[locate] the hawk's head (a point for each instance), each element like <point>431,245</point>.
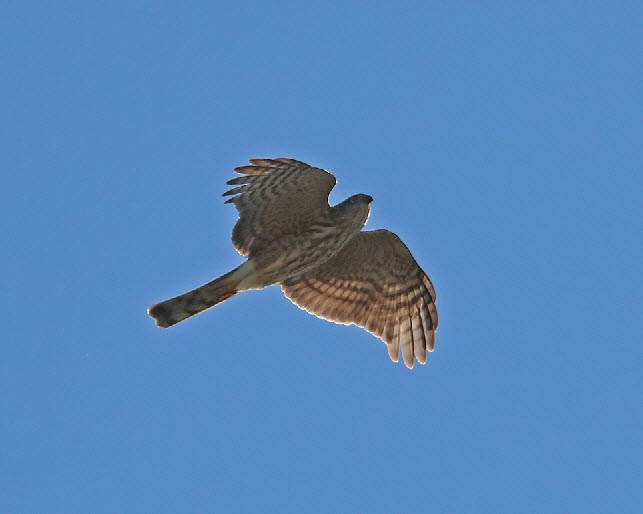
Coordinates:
<point>355,210</point>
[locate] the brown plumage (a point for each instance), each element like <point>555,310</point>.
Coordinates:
<point>322,259</point>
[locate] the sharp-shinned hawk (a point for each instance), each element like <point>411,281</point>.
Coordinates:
<point>322,259</point>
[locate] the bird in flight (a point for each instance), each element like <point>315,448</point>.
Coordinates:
<point>322,259</point>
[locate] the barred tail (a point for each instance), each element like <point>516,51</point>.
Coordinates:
<point>181,307</point>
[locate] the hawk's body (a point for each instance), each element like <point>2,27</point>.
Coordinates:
<point>323,261</point>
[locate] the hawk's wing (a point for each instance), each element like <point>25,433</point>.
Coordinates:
<point>374,283</point>
<point>275,197</point>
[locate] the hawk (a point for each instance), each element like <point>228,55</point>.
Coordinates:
<point>321,258</point>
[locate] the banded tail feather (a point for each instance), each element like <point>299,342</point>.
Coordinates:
<point>172,311</point>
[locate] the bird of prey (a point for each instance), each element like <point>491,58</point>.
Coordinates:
<point>322,259</point>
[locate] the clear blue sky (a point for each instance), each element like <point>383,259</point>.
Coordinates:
<point>503,142</point>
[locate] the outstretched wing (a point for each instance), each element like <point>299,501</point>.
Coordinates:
<point>374,283</point>
<point>276,197</point>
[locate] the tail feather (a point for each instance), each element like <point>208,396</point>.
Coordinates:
<point>176,309</point>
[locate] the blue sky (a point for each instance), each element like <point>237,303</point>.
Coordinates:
<point>501,141</point>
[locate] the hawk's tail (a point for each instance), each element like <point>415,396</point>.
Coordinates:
<point>181,307</point>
